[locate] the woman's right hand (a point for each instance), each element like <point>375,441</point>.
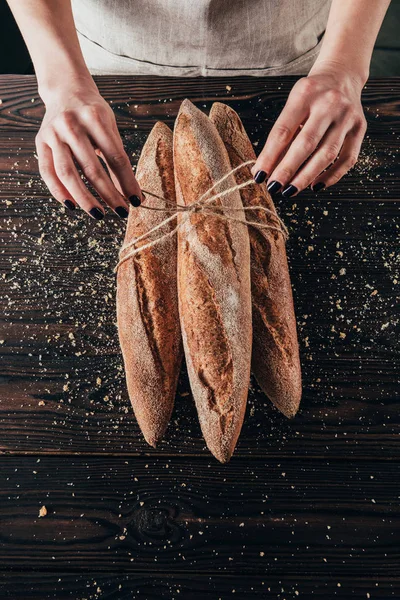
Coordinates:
<point>78,127</point>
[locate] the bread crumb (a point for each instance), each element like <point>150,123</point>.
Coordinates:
<point>43,511</point>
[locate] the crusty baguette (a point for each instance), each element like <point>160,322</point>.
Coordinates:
<point>275,361</point>
<point>147,296</point>
<point>213,284</point>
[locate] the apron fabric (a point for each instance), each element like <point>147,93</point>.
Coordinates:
<point>187,38</point>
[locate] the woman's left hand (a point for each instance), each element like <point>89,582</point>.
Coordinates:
<point>317,137</point>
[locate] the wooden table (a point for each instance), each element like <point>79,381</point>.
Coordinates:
<point>307,508</point>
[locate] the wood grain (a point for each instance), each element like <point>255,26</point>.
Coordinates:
<point>283,516</point>
<point>98,585</point>
<point>307,507</point>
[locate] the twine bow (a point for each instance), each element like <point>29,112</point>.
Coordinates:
<point>202,205</point>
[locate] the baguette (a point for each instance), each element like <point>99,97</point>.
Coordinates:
<point>213,284</point>
<point>147,296</point>
<point>275,362</point>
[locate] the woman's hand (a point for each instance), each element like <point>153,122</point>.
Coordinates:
<point>317,137</point>
<point>78,127</point>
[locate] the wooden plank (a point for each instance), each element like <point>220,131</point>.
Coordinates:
<point>139,100</point>
<point>99,585</point>
<point>174,515</point>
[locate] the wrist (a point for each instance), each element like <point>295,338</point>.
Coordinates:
<point>342,73</point>
<point>64,82</point>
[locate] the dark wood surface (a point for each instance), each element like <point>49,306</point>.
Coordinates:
<point>306,508</point>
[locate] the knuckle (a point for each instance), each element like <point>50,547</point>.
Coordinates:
<point>284,174</point>
<point>54,191</point>
<point>282,133</point>
<point>331,153</point>
<point>92,170</point>
<point>351,160</point>
<point>334,98</point>
<point>309,142</point>
<point>45,170</point>
<point>65,170</point>
<point>119,159</point>
<point>361,123</point>
<point>94,113</point>
<point>305,87</point>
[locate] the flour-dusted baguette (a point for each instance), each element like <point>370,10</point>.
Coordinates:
<point>213,284</point>
<point>275,362</point>
<point>147,296</point>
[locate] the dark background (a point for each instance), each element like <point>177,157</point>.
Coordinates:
<point>14,57</point>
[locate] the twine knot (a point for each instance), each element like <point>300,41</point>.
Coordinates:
<point>202,205</point>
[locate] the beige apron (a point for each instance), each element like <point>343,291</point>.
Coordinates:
<point>200,37</point>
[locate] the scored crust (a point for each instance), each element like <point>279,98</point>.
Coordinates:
<point>147,296</point>
<point>275,361</point>
<point>213,283</point>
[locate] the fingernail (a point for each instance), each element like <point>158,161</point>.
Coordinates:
<point>319,186</point>
<point>260,177</point>
<point>290,191</point>
<point>69,204</point>
<point>96,213</point>
<point>274,187</point>
<point>134,200</point>
<point>121,212</point>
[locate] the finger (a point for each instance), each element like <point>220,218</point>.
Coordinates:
<point>299,151</point>
<point>89,162</point>
<point>48,173</point>
<point>325,155</point>
<point>282,133</point>
<point>68,174</point>
<point>118,163</point>
<point>347,159</point>
<point>111,174</point>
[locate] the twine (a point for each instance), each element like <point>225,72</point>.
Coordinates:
<point>202,205</point>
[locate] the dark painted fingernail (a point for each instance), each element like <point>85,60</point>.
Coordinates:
<point>121,212</point>
<point>290,191</point>
<point>134,200</point>
<point>274,187</point>
<point>69,204</point>
<point>319,186</point>
<point>96,213</point>
<point>260,177</point>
